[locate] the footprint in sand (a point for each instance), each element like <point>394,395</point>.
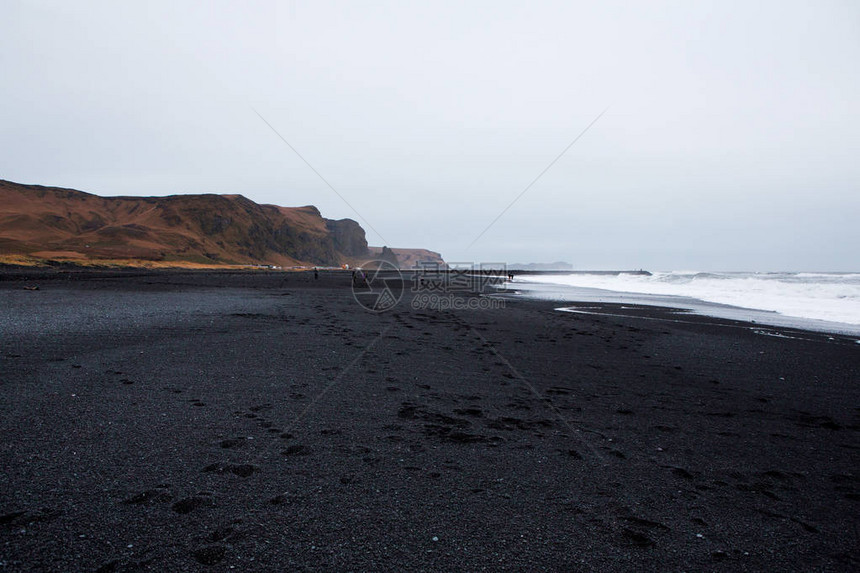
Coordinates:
<point>189,504</point>
<point>641,532</point>
<point>472,412</point>
<point>241,470</point>
<point>297,450</point>
<point>160,494</point>
<point>210,554</point>
<point>231,443</point>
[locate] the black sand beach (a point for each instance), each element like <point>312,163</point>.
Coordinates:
<point>266,422</point>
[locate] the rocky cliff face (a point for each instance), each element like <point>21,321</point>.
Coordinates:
<point>349,238</point>
<point>408,258</point>
<point>388,256</point>
<point>54,223</point>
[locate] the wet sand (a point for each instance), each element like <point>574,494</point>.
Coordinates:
<point>157,421</point>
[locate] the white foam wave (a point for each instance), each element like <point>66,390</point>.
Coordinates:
<point>832,297</point>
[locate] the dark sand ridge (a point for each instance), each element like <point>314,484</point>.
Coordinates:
<point>184,421</point>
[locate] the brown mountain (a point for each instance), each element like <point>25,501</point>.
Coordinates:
<point>63,224</point>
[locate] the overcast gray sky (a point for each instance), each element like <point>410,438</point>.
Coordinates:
<point>731,142</point>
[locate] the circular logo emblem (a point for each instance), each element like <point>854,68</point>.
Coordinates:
<point>377,285</point>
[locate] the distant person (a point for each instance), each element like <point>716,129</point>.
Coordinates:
<point>316,273</point>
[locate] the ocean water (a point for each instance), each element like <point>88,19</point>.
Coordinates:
<point>810,298</point>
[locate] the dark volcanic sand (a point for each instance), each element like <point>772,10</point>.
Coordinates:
<point>185,421</point>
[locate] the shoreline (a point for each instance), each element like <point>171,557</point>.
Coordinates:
<point>589,295</point>
<point>184,421</point>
